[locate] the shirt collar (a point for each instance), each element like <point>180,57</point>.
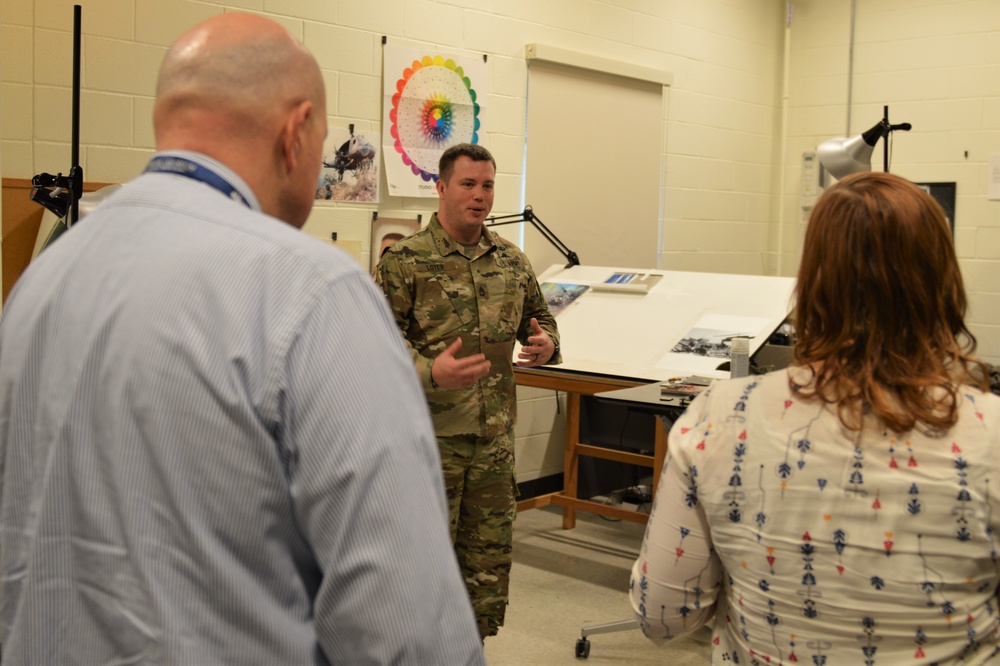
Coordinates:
<point>220,169</point>
<point>446,244</point>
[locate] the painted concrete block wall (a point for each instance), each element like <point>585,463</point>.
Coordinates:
<point>721,135</point>
<point>720,114</point>
<point>936,65</point>
<point>540,433</point>
<point>719,156</point>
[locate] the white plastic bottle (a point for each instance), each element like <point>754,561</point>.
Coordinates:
<point>739,357</point>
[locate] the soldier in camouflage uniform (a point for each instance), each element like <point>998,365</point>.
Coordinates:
<point>461,295</point>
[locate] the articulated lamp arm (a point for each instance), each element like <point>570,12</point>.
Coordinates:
<point>528,215</point>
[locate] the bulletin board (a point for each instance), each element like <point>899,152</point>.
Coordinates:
<point>653,325</point>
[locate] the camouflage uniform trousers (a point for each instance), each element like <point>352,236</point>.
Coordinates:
<point>479,479</point>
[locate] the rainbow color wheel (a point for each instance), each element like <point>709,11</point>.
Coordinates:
<point>434,107</point>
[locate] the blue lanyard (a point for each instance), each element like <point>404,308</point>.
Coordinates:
<point>185,167</point>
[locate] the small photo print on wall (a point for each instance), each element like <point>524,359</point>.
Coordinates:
<point>350,167</point>
<point>388,230</point>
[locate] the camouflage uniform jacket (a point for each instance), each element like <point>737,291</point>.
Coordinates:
<point>437,293</point>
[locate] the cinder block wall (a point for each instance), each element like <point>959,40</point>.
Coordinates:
<point>721,124</point>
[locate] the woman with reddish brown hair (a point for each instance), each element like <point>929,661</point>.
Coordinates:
<point>881,306</point>
<point>846,510</point>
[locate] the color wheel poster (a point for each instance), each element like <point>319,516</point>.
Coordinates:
<point>432,100</point>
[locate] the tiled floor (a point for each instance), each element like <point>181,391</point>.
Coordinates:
<point>563,580</point>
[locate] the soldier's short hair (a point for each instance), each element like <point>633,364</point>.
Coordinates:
<point>473,151</point>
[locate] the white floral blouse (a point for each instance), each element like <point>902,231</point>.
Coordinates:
<point>810,544</point>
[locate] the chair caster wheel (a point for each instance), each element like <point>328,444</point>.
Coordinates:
<point>582,648</point>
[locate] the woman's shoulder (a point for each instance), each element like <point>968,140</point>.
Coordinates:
<point>742,397</point>
<point>984,406</point>
<point>744,388</point>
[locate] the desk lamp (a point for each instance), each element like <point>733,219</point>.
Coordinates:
<point>528,215</point>
<point>841,157</point>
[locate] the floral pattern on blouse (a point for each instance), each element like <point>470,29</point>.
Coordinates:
<point>807,543</point>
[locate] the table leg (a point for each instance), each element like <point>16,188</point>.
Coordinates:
<point>572,461</point>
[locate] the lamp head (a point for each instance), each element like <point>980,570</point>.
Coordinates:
<point>842,157</point>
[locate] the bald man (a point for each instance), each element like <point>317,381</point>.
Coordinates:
<point>195,464</point>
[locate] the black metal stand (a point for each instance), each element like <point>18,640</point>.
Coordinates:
<point>529,216</point>
<point>885,130</point>
<point>61,194</point>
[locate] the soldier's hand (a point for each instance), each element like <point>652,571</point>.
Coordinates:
<point>449,372</point>
<point>539,349</point>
